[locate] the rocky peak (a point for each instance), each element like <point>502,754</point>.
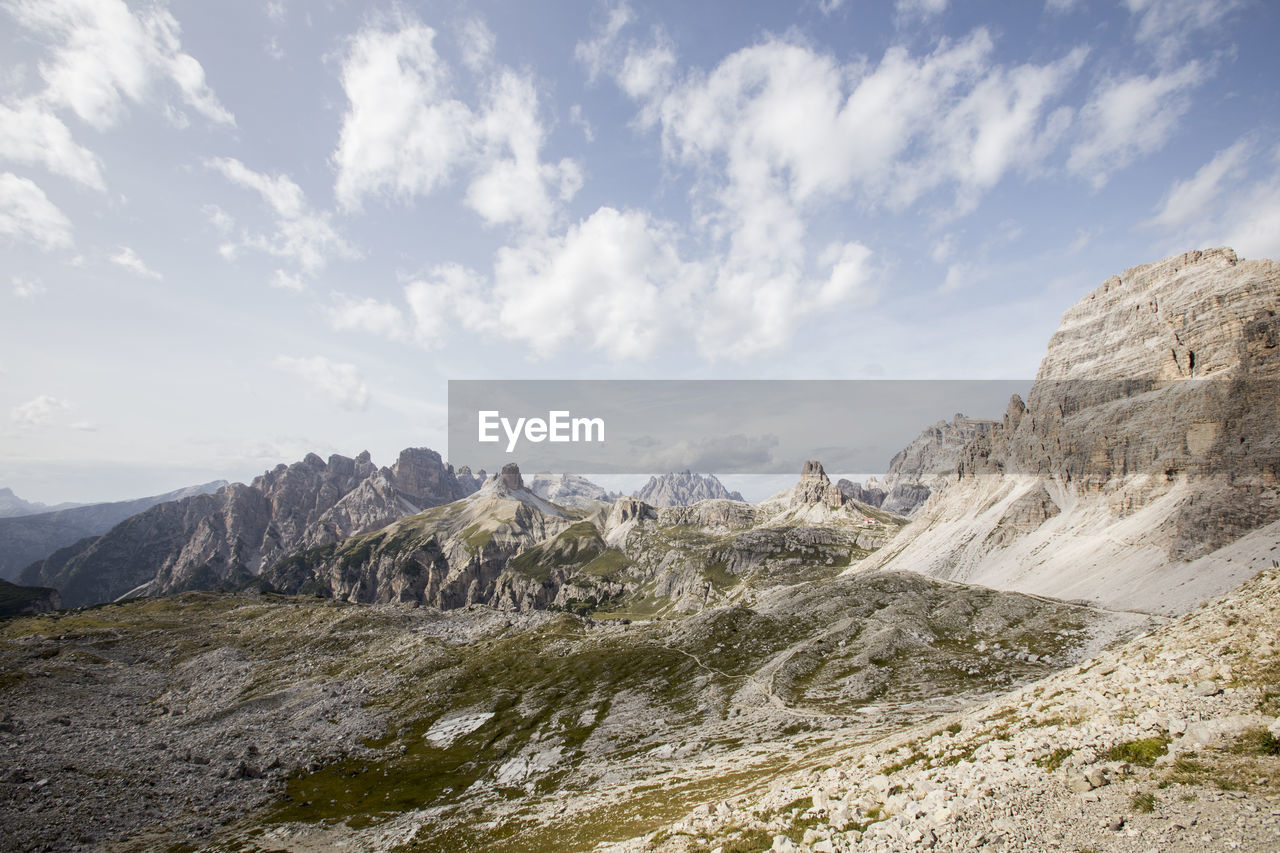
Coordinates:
<point>511,476</point>
<point>815,487</point>
<point>682,489</point>
<point>813,470</point>
<point>421,476</point>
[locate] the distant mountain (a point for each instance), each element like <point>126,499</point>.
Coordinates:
<point>12,506</point>
<point>27,538</point>
<point>871,494</point>
<point>508,548</point>
<point>229,537</point>
<point>682,489</point>
<point>921,467</point>
<point>451,556</point>
<point>570,490</point>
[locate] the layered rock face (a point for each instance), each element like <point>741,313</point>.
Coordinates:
<point>1148,442</point>
<point>683,488</point>
<point>232,535</point>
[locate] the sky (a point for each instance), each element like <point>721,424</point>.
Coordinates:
<point>234,233</point>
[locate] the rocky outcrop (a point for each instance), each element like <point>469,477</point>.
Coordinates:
<point>815,487</point>
<point>1148,444</point>
<point>32,537</point>
<point>682,489</point>
<point>229,537</point>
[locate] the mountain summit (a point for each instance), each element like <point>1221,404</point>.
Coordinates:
<point>683,489</point>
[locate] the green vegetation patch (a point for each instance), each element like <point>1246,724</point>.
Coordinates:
<point>1142,752</point>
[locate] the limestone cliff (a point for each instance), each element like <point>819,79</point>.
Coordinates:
<point>1148,443</point>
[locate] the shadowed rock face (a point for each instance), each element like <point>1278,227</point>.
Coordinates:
<point>511,476</point>
<point>230,536</point>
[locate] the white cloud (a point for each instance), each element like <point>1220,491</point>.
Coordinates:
<point>37,413</point>
<point>366,315</point>
<point>944,249</point>
<point>920,8</point>
<point>26,288</point>
<point>219,218</point>
<point>1190,199</point>
<point>612,283</point>
<point>450,292</point>
<point>1131,117</point>
<point>850,277</point>
<point>339,381</point>
<point>129,259</point>
<point>406,134</point>
<point>301,234</point>
<point>402,134</point>
<point>31,135</point>
<point>287,281</point>
<point>578,119</point>
<point>513,186</point>
<point>790,121</point>
<point>1252,224</point>
<point>1060,6</point>
<point>476,42</point>
<point>777,132</point>
<point>1233,200</point>
<point>276,11</point>
<point>26,214</point>
<point>959,276</point>
<point>103,55</point>
<point>1165,26</point>
<point>597,53</point>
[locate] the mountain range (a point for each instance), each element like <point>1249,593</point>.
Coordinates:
<point>344,656</point>
<point>25,538</point>
<point>682,489</point>
<point>229,536</point>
